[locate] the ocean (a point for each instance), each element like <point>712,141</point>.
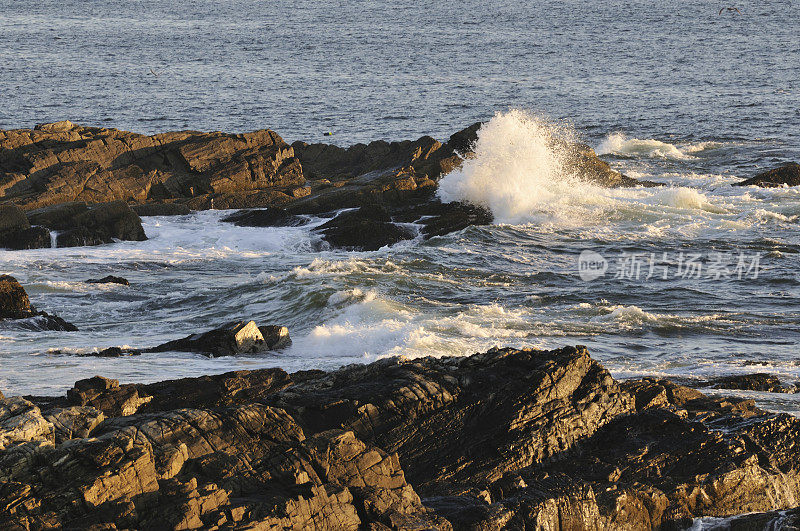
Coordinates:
<point>691,280</point>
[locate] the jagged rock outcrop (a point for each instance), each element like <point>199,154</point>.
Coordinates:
<point>519,439</point>
<point>49,166</point>
<point>15,305</point>
<point>786,175</point>
<point>231,339</point>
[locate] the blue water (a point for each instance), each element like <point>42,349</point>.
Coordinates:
<point>671,91</point>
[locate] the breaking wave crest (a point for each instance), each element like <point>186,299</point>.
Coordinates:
<point>518,170</point>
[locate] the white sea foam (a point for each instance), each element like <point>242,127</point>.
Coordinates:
<point>621,145</point>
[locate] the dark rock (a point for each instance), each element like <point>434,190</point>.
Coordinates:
<point>110,279</point>
<point>752,382</point>
<point>508,439</point>
<point>82,224</point>
<point>114,352</point>
<point>16,232</point>
<point>464,141</point>
<point>161,209</point>
<point>367,229</point>
<point>228,340</point>
<point>452,217</point>
<point>106,395</point>
<point>103,224</point>
<point>388,188</point>
<point>14,301</point>
<point>270,217</point>
<point>427,156</point>
<point>275,337</point>
<point>788,174</point>
<point>228,389</point>
<point>15,304</point>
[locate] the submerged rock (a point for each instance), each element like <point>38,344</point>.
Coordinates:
<point>507,439</point>
<point>786,175</point>
<point>109,279</point>
<point>228,340</point>
<point>753,382</point>
<point>270,217</point>
<point>15,305</point>
<point>367,229</point>
<point>161,209</point>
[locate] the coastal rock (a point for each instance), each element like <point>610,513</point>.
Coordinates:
<point>275,337</point>
<point>161,209</point>
<point>269,217</point>
<point>15,304</point>
<point>16,232</point>
<point>75,422</point>
<point>106,395</point>
<point>109,279</point>
<point>367,229</point>
<point>786,175</point>
<point>67,163</point>
<point>426,155</point>
<point>81,224</point>
<point>114,352</point>
<point>444,218</point>
<point>228,340</point>
<point>753,382</point>
<point>218,390</point>
<point>391,188</point>
<point>22,421</point>
<point>507,439</point>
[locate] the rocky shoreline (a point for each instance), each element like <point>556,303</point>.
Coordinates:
<point>504,439</point>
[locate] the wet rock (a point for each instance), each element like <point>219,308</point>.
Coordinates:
<point>114,352</point>
<point>367,229</point>
<point>15,304</point>
<point>14,301</point>
<point>228,340</point>
<point>786,175</point>
<point>161,209</point>
<point>767,383</point>
<point>275,337</point>
<point>464,141</point>
<point>16,232</point>
<point>270,217</point>
<point>452,217</point>
<point>110,279</point>
<point>80,224</point>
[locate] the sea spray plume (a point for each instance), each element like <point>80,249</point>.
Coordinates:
<point>519,170</point>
